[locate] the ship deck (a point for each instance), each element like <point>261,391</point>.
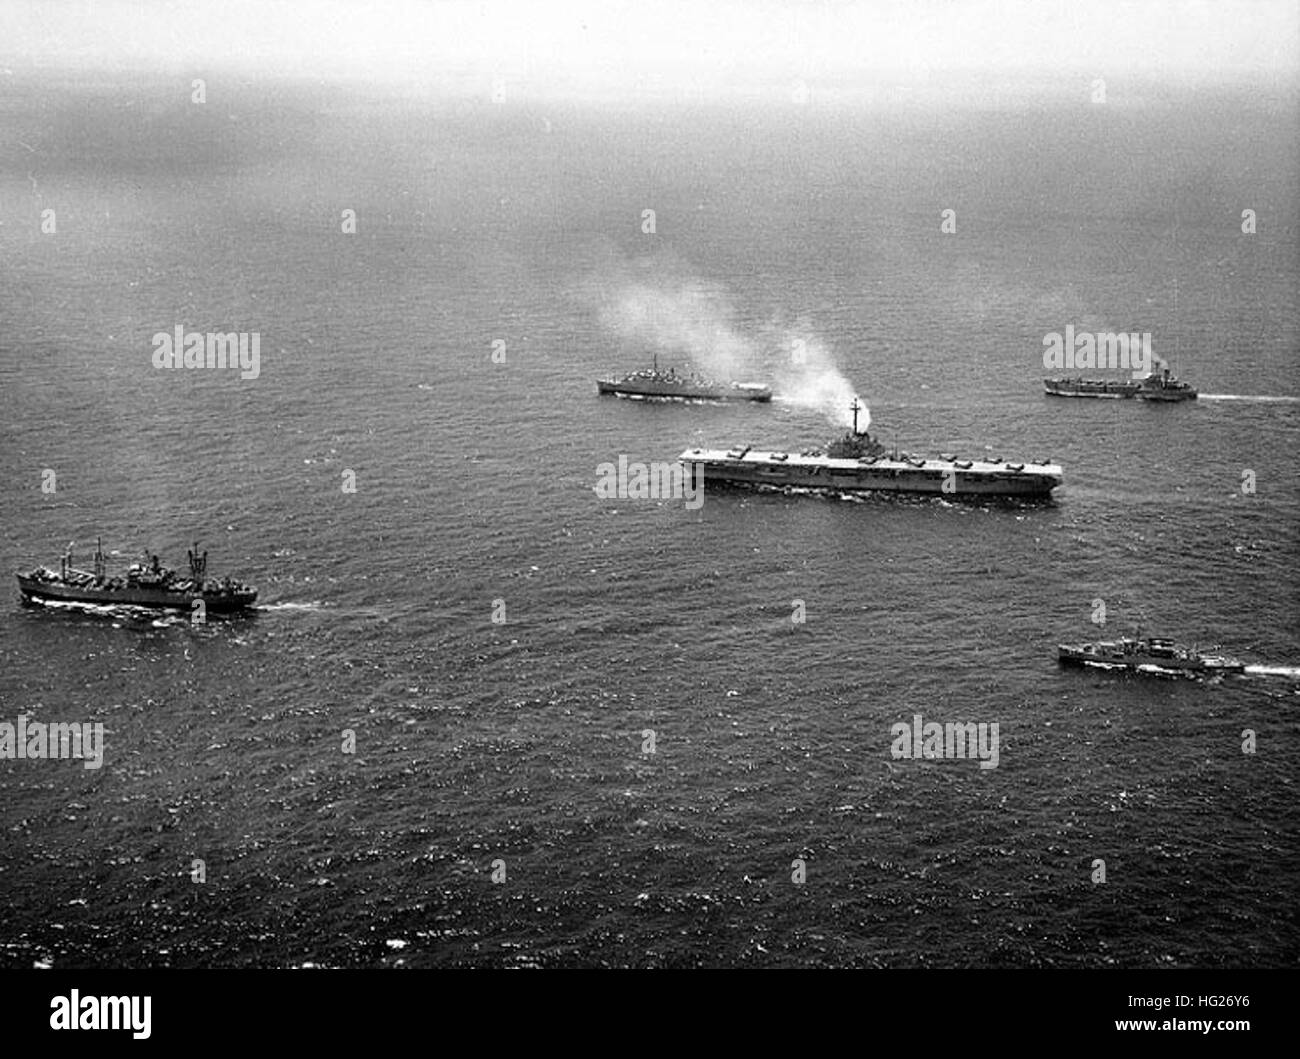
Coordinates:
<point>936,465</point>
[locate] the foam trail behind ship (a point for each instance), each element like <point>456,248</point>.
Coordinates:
<point>1292,672</point>
<point>1261,399</point>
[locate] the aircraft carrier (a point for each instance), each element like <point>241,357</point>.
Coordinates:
<point>858,462</point>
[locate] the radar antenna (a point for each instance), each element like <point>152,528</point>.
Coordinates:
<point>198,564</point>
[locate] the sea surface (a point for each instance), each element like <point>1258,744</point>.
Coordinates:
<point>500,808</point>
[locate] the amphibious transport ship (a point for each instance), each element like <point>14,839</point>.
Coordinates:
<point>857,462</point>
<point>1146,655</point>
<point>668,384</point>
<point>151,586</point>
<point>1157,386</point>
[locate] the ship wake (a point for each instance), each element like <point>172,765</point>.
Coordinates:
<point>1253,398</point>
<point>119,611</point>
<point>1289,672</point>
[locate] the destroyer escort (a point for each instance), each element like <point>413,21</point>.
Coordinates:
<point>857,462</point>
<point>151,585</point>
<point>1146,655</point>
<point>668,384</point>
<point>1156,386</point>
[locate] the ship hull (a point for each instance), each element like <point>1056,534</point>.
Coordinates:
<point>933,478</point>
<point>1073,656</point>
<point>1146,389</point>
<point>684,392</point>
<point>1091,388</point>
<point>134,596</point>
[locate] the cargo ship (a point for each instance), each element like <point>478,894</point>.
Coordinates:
<point>653,383</point>
<point>144,585</point>
<point>1146,655</point>
<point>858,462</point>
<point>1156,386</point>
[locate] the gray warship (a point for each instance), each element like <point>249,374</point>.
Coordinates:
<point>653,383</point>
<point>1150,654</point>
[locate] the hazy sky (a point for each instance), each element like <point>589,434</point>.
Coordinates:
<point>616,47</point>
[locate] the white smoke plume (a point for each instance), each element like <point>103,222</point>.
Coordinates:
<point>687,323</point>
<point>693,323</point>
<point>809,378</point>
